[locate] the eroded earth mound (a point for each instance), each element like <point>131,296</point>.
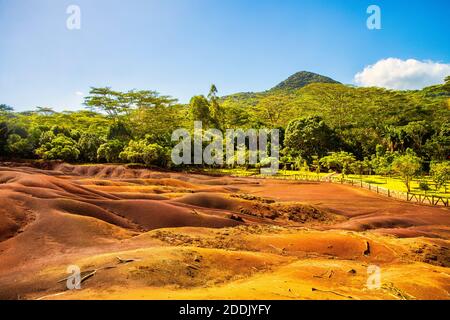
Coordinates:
<point>142,234</point>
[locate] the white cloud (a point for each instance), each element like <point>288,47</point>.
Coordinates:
<point>79,93</point>
<point>393,73</point>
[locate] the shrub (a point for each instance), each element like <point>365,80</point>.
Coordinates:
<point>440,172</point>
<point>19,147</point>
<point>424,186</point>
<point>88,145</point>
<point>110,151</point>
<point>59,148</point>
<point>142,152</point>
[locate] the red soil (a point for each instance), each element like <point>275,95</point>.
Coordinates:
<point>365,209</point>
<point>48,217</point>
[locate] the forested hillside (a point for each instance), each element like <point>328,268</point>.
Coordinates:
<point>318,117</point>
<point>362,118</point>
<point>302,79</point>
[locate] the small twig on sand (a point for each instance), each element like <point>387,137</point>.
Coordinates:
<point>281,251</point>
<point>333,292</point>
<point>193,267</point>
<point>396,292</point>
<point>89,275</point>
<point>125,260</point>
<point>51,295</point>
<point>329,272</point>
<point>84,273</point>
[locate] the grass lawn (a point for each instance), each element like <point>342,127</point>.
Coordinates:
<point>395,183</point>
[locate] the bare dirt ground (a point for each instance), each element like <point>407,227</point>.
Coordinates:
<point>140,234</point>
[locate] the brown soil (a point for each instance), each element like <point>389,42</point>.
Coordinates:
<point>189,236</point>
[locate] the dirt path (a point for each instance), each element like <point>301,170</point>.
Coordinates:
<point>364,209</point>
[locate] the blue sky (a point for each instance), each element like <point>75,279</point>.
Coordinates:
<point>180,47</point>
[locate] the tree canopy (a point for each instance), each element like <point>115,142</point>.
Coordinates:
<point>323,125</point>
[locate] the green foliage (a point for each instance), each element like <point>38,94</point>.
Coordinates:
<point>341,161</point>
<point>156,123</point>
<point>88,144</point>
<point>381,162</point>
<point>301,79</point>
<point>360,167</point>
<point>119,131</point>
<point>309,137</point>
<point>424,186</point>
<point>134,151</point>
<point>200,110</point>
<point>440,173</point>
<point>317,118</point>
<point>18,146</point>
<point>4,108</point>
<point>110,151</point>
<point>19,142</point>
<point>113,103</point>
<point>437,147</point>
<point>208,110</point>
<point>361,117</point>
<point>59,148</point>
<point>407,166</point>
<point>237,110</point>
<point>156,155</point>
<point>117,104</point>
<point>46,138</point>
<point>143,152</point>
<point>46,111</point>
<point>274,111</point>
<point>4,133</point>
<point>216,111</point>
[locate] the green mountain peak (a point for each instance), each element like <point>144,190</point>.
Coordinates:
<point>301,79</point>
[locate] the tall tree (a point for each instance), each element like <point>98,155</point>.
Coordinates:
<point>407,166</point>
<point>440,172</point>
<point>274,110</point>
<point>310,137</point>
<point>199,109</point>
<point>113,103</point>
<point>216,112</point>
<point>339,160</point>
<point>6,108</point>
<point>46,111</point>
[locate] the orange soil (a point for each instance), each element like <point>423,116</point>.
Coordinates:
<point>199,237</point>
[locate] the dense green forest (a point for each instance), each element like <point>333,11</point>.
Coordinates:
<point>324,125</point>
